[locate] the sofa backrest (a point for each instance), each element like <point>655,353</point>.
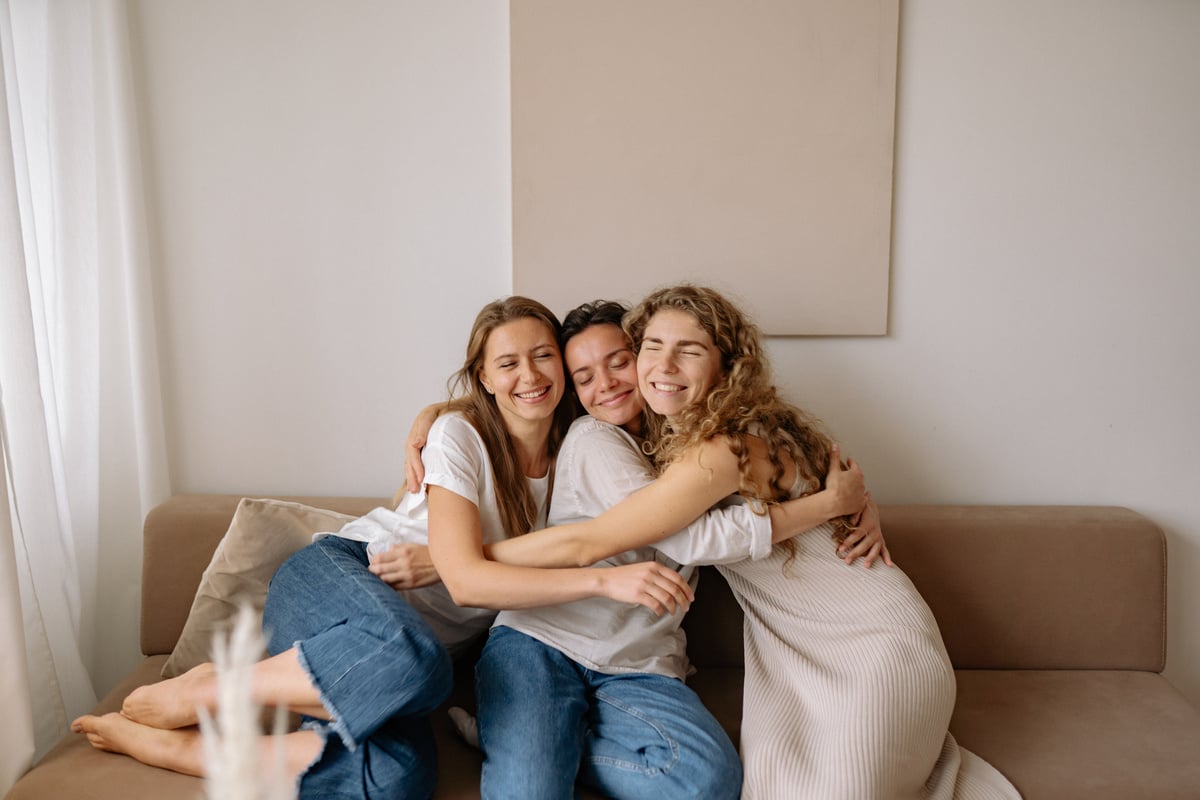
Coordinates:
<point>1012,587</point>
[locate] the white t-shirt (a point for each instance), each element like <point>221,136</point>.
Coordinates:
<point>598,466</point>
<point>455,459</point>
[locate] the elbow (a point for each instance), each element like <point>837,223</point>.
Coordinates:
<point>460,592</point>
<point>466,593</point>
<point>461,577</point>
<point>585,556</point>
<point>581,550</point>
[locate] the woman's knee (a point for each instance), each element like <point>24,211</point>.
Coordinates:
<point>709,762</point>
<point>286,610</point>
<point>424,662</point>
<point>406,665</point>
<point>656,736</point>
<point>715,774</point>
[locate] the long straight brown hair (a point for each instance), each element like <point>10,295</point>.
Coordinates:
<point>518,510</point>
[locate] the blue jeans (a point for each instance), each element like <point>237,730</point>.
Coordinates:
<point>546,721</point>
<point>378,667</point>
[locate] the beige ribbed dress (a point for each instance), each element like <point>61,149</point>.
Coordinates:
<point>848,687</point>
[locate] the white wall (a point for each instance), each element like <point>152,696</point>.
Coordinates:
<point>332,193</point>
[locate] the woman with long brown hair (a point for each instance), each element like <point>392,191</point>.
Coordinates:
<point>364,663</point>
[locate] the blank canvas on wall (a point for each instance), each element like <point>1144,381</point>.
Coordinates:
<point>742,144</point>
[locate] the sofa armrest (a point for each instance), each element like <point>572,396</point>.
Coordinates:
<point>178,540</point>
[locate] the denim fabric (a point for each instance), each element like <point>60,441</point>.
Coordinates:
<point>546,721</point>
<point>377,665</point>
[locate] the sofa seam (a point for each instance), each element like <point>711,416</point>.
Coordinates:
<point>1162,656</point>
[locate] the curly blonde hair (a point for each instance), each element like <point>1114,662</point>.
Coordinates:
<point>741,403</point>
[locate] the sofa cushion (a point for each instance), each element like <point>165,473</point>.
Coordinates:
<point>73,768</point>
<point>261,536</point>
<point>1081,734</point>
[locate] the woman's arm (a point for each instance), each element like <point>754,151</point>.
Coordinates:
<point>845,493</point>
<point>730,533</point>
<point>418,435</point>
<point>866,540</point>
<point>685,490</point>
<point>456,546</point>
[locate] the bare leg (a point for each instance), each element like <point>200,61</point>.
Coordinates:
<point>173,703</point>
<point>181,750</point>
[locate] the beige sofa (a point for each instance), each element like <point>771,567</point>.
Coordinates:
<point>1053,616</point>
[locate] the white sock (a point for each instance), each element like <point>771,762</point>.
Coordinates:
<point>465,725</point>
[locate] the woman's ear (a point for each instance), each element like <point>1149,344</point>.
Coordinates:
<point>483,381</point>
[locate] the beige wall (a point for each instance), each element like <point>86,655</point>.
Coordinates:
<point>656,142</point>
<point>332,194</point>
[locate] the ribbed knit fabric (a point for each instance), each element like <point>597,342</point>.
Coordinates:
<point>848,689</point>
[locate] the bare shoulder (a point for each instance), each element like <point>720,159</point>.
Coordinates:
<point>715,455</point>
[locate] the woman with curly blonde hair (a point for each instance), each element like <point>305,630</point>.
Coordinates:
<point>848,688</point>
<point>742,403</point>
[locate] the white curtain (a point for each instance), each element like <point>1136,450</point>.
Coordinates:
<point>81,429</point>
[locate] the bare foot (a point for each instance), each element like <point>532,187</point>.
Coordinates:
<point>178,750</point>
<point>183,750</point>
<point>172,703</point>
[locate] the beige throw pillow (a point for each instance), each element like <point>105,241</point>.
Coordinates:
<point>260,538</point>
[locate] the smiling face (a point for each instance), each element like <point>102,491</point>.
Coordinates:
<point>602,367</point>
<point>677,363</point>
<point>522,367</point>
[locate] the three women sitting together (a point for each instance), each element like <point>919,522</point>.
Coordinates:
<point>685,455</point>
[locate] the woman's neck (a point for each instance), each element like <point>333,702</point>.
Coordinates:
<point>533,456</point>
<point>635,427</point>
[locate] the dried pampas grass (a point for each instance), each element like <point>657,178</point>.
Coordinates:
<point>234,751</point>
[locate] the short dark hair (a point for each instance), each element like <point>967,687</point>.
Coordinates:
<point>597,312</point>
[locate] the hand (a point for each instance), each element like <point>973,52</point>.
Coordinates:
<point>846,485</point>
<point>418,435</point>
<point>405,566</point>
<point>866,540</point>
<point>648,583</point>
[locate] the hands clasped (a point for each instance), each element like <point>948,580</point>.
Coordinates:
<point>848,488</point>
